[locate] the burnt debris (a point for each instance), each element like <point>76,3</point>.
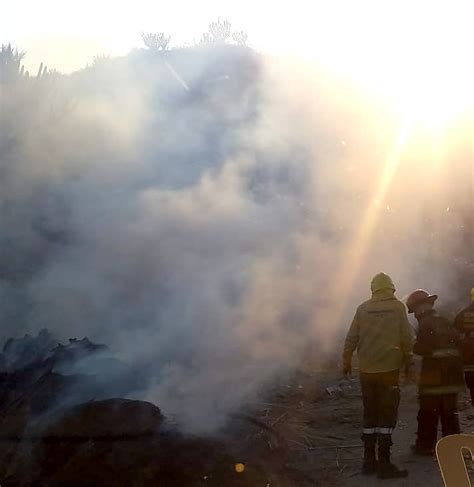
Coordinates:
<point>60,424</point>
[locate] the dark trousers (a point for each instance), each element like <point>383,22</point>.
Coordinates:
<point>469,376</point>
<point>381,398</point>
<point>432,410</point>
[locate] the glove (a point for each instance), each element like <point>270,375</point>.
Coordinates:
<point>347,369</point>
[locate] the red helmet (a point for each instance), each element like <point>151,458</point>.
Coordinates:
<point>417,297</point>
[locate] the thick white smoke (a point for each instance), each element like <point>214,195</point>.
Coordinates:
<point>196,210</point>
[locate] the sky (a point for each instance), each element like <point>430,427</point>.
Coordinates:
<point>69,32</point>
<point>385,45</point>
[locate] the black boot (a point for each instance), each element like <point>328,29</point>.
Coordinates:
<point>385,468</point>
<point>424,450</point>
<point>369,466</point>
<point>450,423</point>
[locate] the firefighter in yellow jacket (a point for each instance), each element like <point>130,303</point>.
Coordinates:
<point>383,337</point>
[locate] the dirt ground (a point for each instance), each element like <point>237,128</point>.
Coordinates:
<point>303,432</point>
<point>319,415</point>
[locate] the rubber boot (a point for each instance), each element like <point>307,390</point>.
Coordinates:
<point>385,468</point>
<point>369,466</point>
<point>423,450</point>
<point>450,423</point>
<point>427,429</point>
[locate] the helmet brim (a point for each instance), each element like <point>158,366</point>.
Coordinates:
<point>429,299</point>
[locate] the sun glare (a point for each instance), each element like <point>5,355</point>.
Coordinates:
<point>422,69</point>
<point>434,90</point>
<point>417,56</point>
<point>429,74</point>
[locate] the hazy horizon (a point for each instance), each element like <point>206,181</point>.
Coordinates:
<point>360,40</point>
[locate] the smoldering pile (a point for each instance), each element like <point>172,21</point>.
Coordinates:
<point>40,375</point>
<point>61,424</point>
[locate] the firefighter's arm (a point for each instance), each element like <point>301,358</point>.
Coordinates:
<point>352,340</point>
<point>459,329</point>
<point>406,344</point>
<point>406,338</point>
<point>458,321</point>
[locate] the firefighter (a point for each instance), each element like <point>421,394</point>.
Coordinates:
<point>382,335</point>
<point>441,377</point>
<point>464,324</point>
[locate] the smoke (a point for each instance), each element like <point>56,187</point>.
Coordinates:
<point>200,211</point>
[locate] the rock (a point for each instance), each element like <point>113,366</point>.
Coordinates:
<point>334,391</point>
<point>108,419</point>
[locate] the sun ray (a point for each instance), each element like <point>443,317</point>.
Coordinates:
<point>352,263</point>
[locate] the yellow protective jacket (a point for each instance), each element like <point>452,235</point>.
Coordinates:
<point>381,333</point>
